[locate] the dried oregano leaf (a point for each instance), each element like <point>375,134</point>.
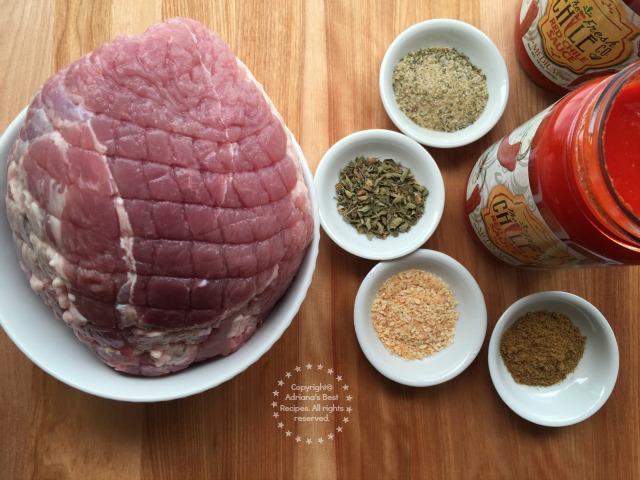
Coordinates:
<point>379,197</point>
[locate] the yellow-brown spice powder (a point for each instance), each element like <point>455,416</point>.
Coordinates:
<point>541,348</point>
<point>414,314</point>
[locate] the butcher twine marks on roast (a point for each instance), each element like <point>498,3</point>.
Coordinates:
<point>156,199</point>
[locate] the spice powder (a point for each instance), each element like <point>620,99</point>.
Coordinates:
<point>440,89</point>
<point>542,348</point>
<point>414,314</point>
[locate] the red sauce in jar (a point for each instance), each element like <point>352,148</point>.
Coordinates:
<point>551,179</point>
<point>563,189</point>
<point>621,152</point>
<point>575,194</point>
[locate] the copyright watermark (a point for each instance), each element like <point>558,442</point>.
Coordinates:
<point>312,404</point>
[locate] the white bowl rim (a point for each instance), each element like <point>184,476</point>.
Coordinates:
<point>187,382</point>
<point>509,316</point>
<point>446,139</point>
<point>435,202</point>
<point>362,321</point>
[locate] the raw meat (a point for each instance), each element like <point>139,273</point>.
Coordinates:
<point>156,200</point>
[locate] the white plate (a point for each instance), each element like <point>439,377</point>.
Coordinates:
<point>379,144</point>
<point>482,53</point>
<point>470,328</point>
<point>51,345</point>
<point>585,390</point>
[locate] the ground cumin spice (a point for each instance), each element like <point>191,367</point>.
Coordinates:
<point>541,348</point>
<point>414,314</point>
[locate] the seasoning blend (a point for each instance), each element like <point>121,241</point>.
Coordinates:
<point>562,44</point>
<point>562,189</point>
<point>438,88</point>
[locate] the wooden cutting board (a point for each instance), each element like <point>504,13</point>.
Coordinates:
<point>318,60</point>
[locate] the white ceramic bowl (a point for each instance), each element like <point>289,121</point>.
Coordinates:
<point>470,328</point>
<point>585,390</point>
<point>482,53</point>
<point>382,144</point>
<point>52,346</point>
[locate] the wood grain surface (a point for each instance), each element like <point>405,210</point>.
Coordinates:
<point>318,60</point>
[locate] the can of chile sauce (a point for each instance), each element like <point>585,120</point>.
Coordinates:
<point>562,44</point>
<point>563,189</point>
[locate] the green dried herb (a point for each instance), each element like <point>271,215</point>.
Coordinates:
<point>379,197</point>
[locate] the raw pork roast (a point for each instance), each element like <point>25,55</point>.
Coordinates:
<point>156,200</point>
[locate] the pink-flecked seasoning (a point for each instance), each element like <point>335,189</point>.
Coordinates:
<point>414,314</point>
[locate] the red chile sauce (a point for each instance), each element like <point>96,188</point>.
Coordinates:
<point>622,146</point>
<point>563,189</point>
<point>566,194</point>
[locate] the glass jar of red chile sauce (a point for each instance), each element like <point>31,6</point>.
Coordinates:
<point>562,44</point>
<point>563,189</point>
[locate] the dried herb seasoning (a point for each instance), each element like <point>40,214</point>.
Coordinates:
<point>379,197</point>
<point>440,89</point>
<point>541,348</point>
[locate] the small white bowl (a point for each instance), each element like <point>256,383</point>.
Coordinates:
<point>51,345</point>
<point>380,144</point>
<point>470,328</point>
<point>585,390</point>
<point>482,53</point>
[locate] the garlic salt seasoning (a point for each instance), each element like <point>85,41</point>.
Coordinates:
<point>440,89</point>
